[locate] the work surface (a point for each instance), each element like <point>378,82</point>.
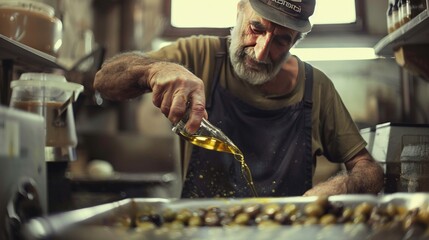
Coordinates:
<point>393,216</point>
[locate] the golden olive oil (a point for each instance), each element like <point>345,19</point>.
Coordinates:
<point>215,144</point>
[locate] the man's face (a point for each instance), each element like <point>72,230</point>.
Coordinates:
<point>259,47</point>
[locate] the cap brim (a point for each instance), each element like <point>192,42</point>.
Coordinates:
<point>280,18</point>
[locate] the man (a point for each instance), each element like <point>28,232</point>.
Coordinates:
<point>280,111</point>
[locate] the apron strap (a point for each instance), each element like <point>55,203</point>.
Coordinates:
<point>308,105</point>
<point>220,57</point>
<point>308,94</point>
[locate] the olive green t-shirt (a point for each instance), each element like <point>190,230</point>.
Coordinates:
<point>334,134</point>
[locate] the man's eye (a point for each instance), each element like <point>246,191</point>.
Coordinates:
<point>257,30</point>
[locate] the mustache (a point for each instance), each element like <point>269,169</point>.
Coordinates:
<point>249,52</point>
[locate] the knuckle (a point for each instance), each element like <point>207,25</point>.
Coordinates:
<point>198,108</point>
<point>156,100</point>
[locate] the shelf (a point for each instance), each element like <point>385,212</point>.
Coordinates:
<point>15,53</point>
<point>25,55</point>
<point>414,58</point>
<point>415,32</point>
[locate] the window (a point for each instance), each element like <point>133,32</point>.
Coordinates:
<point>334,12</point>
<point>186,17</point>
<point>203,13</point>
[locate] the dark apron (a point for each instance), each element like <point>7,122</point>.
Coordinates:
<point>276,145</point>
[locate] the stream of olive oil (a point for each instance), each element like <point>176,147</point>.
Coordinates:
<point>215,144</point>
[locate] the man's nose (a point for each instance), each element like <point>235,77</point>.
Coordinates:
<point>262,47</point>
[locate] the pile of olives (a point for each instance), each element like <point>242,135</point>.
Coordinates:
<point>321,211</point>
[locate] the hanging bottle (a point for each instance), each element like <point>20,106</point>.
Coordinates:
<point>416,7</point>
<point>389,17</point>
<point>395,15</point>
<point>405,11</point>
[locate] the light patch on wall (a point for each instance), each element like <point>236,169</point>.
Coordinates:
<point>334,54</point>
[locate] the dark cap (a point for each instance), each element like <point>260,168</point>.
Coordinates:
<point>292,14</point>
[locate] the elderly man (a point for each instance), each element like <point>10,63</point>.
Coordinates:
<point>279,111</point>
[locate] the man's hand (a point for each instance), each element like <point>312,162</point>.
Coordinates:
<point>363,175</point>
<point>174,90</point>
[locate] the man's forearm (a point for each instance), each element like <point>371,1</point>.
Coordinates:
<point>124,76</point>
<point>364,176</point>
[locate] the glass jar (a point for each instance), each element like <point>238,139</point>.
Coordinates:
<point>50,96</point>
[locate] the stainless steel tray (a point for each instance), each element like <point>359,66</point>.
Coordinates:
<point>96,222</point>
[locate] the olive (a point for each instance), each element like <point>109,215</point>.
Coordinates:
<point>290,208</point>
<point>294,217</point>
<point>168,215</point>
<point>328,219</point>
<point>242,219</point>
<point>283,218</point>
<point>176,224</point>
<point>391,210</point>
<point>214,209</point>
<point>268,223</point>
<point>346,215</point>
<point>364,209</point>
<point>411,218</point>
<point>323,201</point>
<point>313,210</point>
<point>212,219</point>
<point>146,225</point>
<point>271,209</point>
<point>380,216</point>
<point>359,219</point>
<point>311,220</point>
<point>234,210</point>
<point>402,211</point>
<point>227,221</point>
<point>261,217</point>
<point>195,221</point>
<point>183,215</point>
<point>201,212</point>
<point>150,217</point>
<point>253,209</point>
<point>298,219</point>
